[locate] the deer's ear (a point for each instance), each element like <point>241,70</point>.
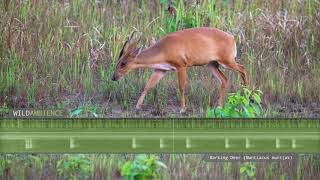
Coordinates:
<point>132,41</point>
<point>127,45</point>
<point>130,47</point>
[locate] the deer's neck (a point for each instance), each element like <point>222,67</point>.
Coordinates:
<point>149,56</point>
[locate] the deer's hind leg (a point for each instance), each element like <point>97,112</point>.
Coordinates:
<point>152,82</point>
<point>214,68</point>
<point>243,73</point>
<point>239,68</point>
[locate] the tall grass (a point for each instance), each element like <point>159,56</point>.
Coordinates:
<point>64,52</point>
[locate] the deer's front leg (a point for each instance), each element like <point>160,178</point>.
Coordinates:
<point>182,75</point>
<point>154,79</point>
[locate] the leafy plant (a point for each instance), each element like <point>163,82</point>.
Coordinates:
<point>6,163</point>
<point>248,169</point>
<point>84,111</point>
<point>243,103</point>
<point>142,167</point>
<point>74,167</point>
<point>177,16</point>
<point>4,109</point>
<point>35,161</point>
<point>171,18</point>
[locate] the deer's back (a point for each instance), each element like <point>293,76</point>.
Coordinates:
<point>197,46</point>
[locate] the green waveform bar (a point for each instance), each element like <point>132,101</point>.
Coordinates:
<point>159,135</point>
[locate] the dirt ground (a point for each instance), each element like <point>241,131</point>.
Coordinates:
<point>292,110</point>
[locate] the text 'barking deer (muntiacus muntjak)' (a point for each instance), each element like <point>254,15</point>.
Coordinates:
<point>176,52</point>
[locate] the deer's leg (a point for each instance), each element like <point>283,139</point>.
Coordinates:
<point>214,68</point>
<point>154,79</point>
<point>243,74</point>
<point>240,68</point>
<point>182,75</point>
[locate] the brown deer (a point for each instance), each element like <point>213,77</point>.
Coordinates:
<point>176,52</point>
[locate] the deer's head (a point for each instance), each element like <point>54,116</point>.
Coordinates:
<point>127,56</point>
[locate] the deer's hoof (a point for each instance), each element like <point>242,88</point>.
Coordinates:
<point>138,107</point>
<point>182,110</point>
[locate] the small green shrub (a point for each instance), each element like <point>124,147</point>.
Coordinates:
<point>4,109</point>
<point>84,111</point>
<point>142,167</point>
<point>74,167</point>
<point>247,169</point>
<point>170,16</point>
<point>244,103</point>
<point>178,17</point>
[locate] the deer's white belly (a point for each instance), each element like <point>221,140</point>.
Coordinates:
<point>165,67</point>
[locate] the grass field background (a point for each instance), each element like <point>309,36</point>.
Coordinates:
<point>63,54</point>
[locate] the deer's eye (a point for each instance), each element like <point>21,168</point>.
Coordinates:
<point>123,64</point>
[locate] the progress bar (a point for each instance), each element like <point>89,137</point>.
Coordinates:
<point>155,136</point>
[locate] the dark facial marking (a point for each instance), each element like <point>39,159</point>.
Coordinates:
<point>123,64</point>
<point>121,53</point>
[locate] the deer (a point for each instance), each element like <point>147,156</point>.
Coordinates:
<point>205,46</point>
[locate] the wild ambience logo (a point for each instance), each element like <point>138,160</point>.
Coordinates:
<point>28,113</point>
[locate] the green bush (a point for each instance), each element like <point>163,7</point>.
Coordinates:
<point>74,167</point>
<point>244,103</point>
<point>84,111</point>
<point>142,167</point>
<point>4,109</point>
<point>247,169</point>
<point>181,17</point>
